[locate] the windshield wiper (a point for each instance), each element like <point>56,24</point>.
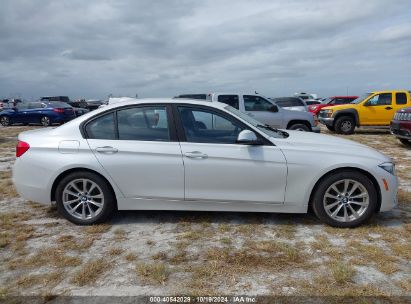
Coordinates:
<point>268,127</point>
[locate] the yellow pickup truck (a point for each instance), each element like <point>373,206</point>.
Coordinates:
<point>371,109</point>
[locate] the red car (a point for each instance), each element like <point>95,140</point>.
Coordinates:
<point>331,101</point>
<point>401,126</point>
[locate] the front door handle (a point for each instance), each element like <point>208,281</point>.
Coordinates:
<point>388,108</point>
<point>195,154</point>
<point>106,150</point>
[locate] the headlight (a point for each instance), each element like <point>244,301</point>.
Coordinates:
<point>389,167</point>
<point>328,113</point>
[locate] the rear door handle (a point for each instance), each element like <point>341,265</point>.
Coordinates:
<point>388,108</point>
<point>195,154</point>
<point>106,150</point>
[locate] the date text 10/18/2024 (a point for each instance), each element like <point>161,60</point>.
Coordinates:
<point>205,299</point>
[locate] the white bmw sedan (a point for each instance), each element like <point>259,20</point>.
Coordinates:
<point>165,154</point>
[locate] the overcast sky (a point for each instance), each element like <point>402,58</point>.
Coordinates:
<point>163,48</point>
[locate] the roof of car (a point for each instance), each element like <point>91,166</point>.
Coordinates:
<point>131,101</point>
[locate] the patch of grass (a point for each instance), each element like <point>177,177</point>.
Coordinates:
<point>226,241</point>
<point>97,229</point>
<point>404,198</point>
<point>70,242</point>
<point>115,251</point>
<point>402,250</point>
<point>48,256</point>
<point>7,189</point>
<point>90,272</point>
<point>150,242</point>
<point>47,279</point>
<point>364,254</point>
<point>130,257</point>
<point>120,234</point>
<point>194,235</point>
<point>161,255</point>
<point>342,272</point>
<point>153,273</point>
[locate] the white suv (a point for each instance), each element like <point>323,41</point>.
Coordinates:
<point>264,110</point>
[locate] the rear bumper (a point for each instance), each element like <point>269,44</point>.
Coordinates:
<point>401,129</point>
<point>328,121</point>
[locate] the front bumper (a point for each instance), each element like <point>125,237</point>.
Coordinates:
<point>401,129</point>
<point>316,129</point>
<point>388,197</point>
<point>328,121</point>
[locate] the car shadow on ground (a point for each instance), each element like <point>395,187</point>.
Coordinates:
<point>389,219</point>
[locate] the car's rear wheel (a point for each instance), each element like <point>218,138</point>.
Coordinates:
<point>85,198</point>
<point>5,121</point>
<point>345,125</point>
<point>299,127</point>
<point>345,199</point>
<point>331,128</point>
<point>45,121</point>
<point>405,142</point>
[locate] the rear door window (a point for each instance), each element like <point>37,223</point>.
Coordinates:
<point>231,100</point>
<point>256,103</point>
<point>401,98</point>
<point>143,123</point>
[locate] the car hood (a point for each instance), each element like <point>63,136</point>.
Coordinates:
<point>323,143</point>
<point>340,107</point>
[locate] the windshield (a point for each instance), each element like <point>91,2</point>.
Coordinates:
<point>257,124</point>
<point>361,98</point>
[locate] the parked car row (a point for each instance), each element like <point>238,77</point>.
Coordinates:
<point>375,109</point>
<point>47,111</point>
<point>263,109</point>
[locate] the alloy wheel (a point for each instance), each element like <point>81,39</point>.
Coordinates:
<point>5,121</point>
<point>45,121</point>
<point>346,200</point>
<point>83,199</point>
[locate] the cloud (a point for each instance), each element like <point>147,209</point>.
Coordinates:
<point>162,48</point>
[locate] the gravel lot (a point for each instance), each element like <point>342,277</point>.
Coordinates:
<point>203,253</point>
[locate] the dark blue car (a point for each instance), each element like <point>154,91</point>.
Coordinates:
<point>45,113</point>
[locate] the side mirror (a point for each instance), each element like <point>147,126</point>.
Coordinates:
<point>274,109</point>
<point>247,137</point>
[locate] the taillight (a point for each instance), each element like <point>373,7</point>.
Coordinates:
<point>21,148</point>
<point>58,110</point>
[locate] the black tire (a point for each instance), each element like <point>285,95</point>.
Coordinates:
<point>45,121</point>
<point>323,186</point>
<point>299,127</point>
<point>5,121</point>
<point>331,128</point>
<point>345,125</point>
<point>109,204</point>
<point>405,142</point>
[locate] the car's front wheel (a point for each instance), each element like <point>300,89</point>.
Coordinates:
<point>345,199</point>
<point>45,121</point>
<point>345,125</point>
<point>405,142</point>
<point>5,121</point>
<point>85,198</point>
<point>299,127</point>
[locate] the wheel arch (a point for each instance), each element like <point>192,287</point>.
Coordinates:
<point>348,112</point>
<point>298,121</point>
<point>69,171</point>
<point>341,169</point>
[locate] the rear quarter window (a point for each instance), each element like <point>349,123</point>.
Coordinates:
<point>101,127</point>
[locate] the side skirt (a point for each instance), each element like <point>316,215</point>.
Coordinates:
<point>163,204</point>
